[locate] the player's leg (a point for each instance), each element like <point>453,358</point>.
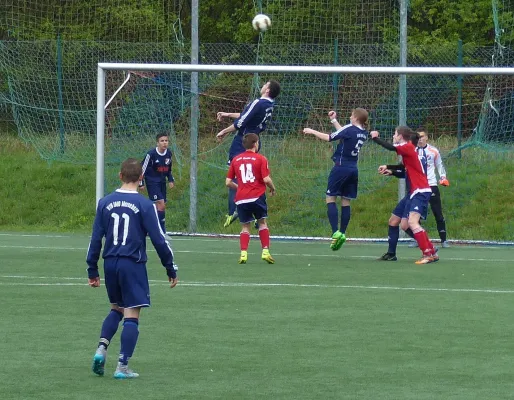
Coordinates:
<point>418,209</point>
<point>155,193</point>
<point>232,209</point>
<point>393,234</point>
<point>135,292</point>
<point>437,210</point>
<point>349,187</point>
<point>246,218</point>
<point>112,320</point>
<point>129,336</point>
<point>260,212</point>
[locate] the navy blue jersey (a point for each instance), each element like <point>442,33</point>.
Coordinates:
<point>125,218</point>
<point>157,167</point>
<point>253,119</point>
<point>351,138</point>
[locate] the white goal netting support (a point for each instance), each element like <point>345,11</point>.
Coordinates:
<point>131,97</point>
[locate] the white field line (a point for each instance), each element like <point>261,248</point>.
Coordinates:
<point>249,284</point>
<point>229,253</point>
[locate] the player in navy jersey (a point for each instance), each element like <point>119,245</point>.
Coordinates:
<point>344,176</point>
<point>253,119</point>
<point>124,218</point>
<point>253,176</point>
<point>405,142</point>
<point>156,169</point>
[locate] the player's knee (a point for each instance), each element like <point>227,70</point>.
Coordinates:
<point>116,307</point>
<point>404,225</point>
<point>262,224</point>
<point>161,206</point>
<point>394,220</point>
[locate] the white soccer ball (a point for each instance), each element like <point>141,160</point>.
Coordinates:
<point>261,22</point>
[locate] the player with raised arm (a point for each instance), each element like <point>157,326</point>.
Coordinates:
<point>405,141</point>
<point>156,169</point>
<point>434,162</point>
<point>251,171</point>
<point>344,176</point>
<point>253,119</point>
<point>124,218</point>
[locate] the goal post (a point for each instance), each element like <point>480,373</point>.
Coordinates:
<point>285,71</point>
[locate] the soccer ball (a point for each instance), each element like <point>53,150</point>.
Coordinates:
<point>261,22</point>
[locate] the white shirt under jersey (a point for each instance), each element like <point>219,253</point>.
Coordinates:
<point>434,160</point>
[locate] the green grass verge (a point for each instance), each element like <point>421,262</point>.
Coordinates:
<point>60,196</point>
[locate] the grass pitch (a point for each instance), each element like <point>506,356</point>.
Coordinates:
<point>316,325</point>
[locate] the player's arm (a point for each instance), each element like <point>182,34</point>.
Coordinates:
<point>171,180</point>
<point>230,184</point>
<point>386,145</point>
<point>229,180</point>
<point>94,249</point>
<point>221,134</point>
<point>152,226</point>
<point>248,114</point>
<point>333,120</point>
<point>220,115</point>
<point>440,169</point>
<point>319,135</point>
<point>144,165</point>
<point>269,183</point>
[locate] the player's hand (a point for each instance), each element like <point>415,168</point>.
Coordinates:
<point>374,134</point>
<point>384,171</point>
<point>220,115</point>
<point>220,136</point>
<point>94,282</point>
<point>171,185</point>
<point>272,192</point>
<point>444,182</point>
<point>308,131</point>
<point>141,188</point>
<point>332,114</point>
<point>173,282</point>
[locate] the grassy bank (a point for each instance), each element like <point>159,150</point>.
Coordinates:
<point>39,196</point>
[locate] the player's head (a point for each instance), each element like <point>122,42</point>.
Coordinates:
<point>403,134</point>
<point>271,89</point>
<point>360,116</point>
<point>423,136</point>
<point>251,141</point>
<point>162,141</point>
<point>131,171</point>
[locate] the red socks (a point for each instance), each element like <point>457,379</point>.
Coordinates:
<point>244,240</point>
<point>424,243</point>
<point>264,236</point>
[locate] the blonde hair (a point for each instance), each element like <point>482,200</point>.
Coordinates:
<point>362,116</point>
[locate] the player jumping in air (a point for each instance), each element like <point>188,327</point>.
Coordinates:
<point>125,218</point>
<point>434,161</point>
<point>253,119</point>
<point>344,176</point>
<point>250,171</point>
<point>156,169</point>
<point>405,141</point>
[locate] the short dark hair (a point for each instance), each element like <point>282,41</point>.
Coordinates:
<point>249,140</point>
<point>160,135</point>
<point>274,88</point>
<point>405,132</point>
<point>131,170</point>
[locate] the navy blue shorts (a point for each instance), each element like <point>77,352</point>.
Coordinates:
<point>126,282</point>
<point>402,208</point>
<point>419,204</point>
<point>257,209</point>
<point>156,191</point>
<point>343,181</point>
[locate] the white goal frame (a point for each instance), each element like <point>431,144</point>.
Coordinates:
<point>104,67</point>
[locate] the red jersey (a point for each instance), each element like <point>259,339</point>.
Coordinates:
<point>250,169</point>
<point>416,174</point>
